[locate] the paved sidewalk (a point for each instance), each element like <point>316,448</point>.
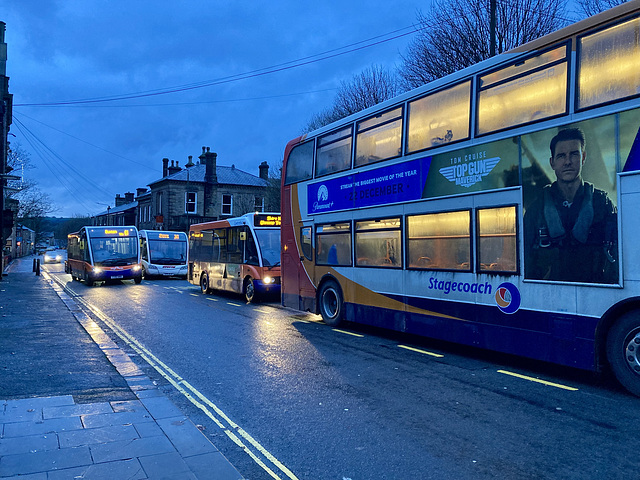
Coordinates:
<point>73,404</point>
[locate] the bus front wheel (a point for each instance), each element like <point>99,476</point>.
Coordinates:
<point>331,303</point>
<point>623,351</point>
<point>204,283</point>
<point>250,294</point>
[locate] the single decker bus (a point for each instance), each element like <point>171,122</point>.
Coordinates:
<point>240,255</point>
<point>495,207</point>
<point>101,254</point>
<point>163,253</point>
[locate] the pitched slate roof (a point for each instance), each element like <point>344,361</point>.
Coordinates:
<point>121,208</point>
<point>226,176</point>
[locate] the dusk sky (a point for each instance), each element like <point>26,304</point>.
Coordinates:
<point>213,56</point>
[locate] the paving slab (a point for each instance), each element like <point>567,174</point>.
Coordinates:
<point>75,405</point>
<point>44,461</point>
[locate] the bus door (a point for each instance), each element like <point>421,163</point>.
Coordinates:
<point>235,254</point>
<point>216,266</point>
<point>297,279</point>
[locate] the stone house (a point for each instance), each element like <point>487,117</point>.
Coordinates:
<point>123,213</point>
<point>199,192</point>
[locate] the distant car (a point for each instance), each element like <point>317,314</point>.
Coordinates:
<point>52,257</point>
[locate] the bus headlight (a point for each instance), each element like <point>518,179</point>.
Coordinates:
<point>268,280</point>
<point>97,270</point>
<point>136,268</point>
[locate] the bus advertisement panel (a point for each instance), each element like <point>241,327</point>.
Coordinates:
<point>240,255</point>
<point>101,254</point>
<point>163,254</point>
<point>509,226</point>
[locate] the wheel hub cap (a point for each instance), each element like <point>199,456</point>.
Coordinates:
<point>632,352</point>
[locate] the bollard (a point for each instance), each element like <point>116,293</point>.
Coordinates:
<point>37,267</point>
<point>34,265</point>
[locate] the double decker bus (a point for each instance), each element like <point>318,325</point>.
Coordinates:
<point>101,254</point>
<point>163,253</point>
<point>240,255</point>
<point>495,207</point>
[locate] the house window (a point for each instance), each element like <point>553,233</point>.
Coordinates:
<point>159,204</point>
<point>227,204</point>
<point>190,202</point>
<point>258,204</point>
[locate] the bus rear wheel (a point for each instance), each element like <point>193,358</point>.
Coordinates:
<point>204,283</point>
<point>623,351</point>
<point>331,303</point>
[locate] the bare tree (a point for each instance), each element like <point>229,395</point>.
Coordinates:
<point>33,205</point>
<point>593,7</point>
<point>373,85</point>
<point>456,34</point>
<point>272,195</point>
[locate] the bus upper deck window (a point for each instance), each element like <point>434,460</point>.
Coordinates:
<point>609,64</point>
<point>523,92</point>
<point>379,138</point>
<point>334,152</point>
<point>439,118</point>
<point>300,163</point>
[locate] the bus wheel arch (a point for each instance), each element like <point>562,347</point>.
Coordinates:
<point>330,302</point>
<point>623,349</point>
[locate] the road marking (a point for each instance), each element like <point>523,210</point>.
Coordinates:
<point>425,352</point>
<point>234,304</point>
<point>537,380</point>
<point>194,396</point>
<point>194,294</point>
<point>212,299</point>
<point>262,310</point>
<point>347,333</point>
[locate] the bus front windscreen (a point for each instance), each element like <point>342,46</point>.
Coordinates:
<point>269,241</point>
<point>114,251</point>
<point>163,252</point>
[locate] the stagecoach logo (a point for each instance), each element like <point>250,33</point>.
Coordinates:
<point>469,173</point>
<point>323,196</point>
<point>508,298</point>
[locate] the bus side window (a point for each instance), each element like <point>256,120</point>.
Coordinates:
<point>234,251</point>
<point>333,244</point>
<point>305,240</point>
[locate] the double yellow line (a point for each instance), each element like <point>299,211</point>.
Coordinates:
<point>239,436</point>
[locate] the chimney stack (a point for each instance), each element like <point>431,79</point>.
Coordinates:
<point>264,170</point>
<point>174,168</point>
<point>119,201</point>
<point>165,167</point>
<point>128,197</point>
<point>190,162</point>
<point>140,191</point>
<point>209,159</point>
